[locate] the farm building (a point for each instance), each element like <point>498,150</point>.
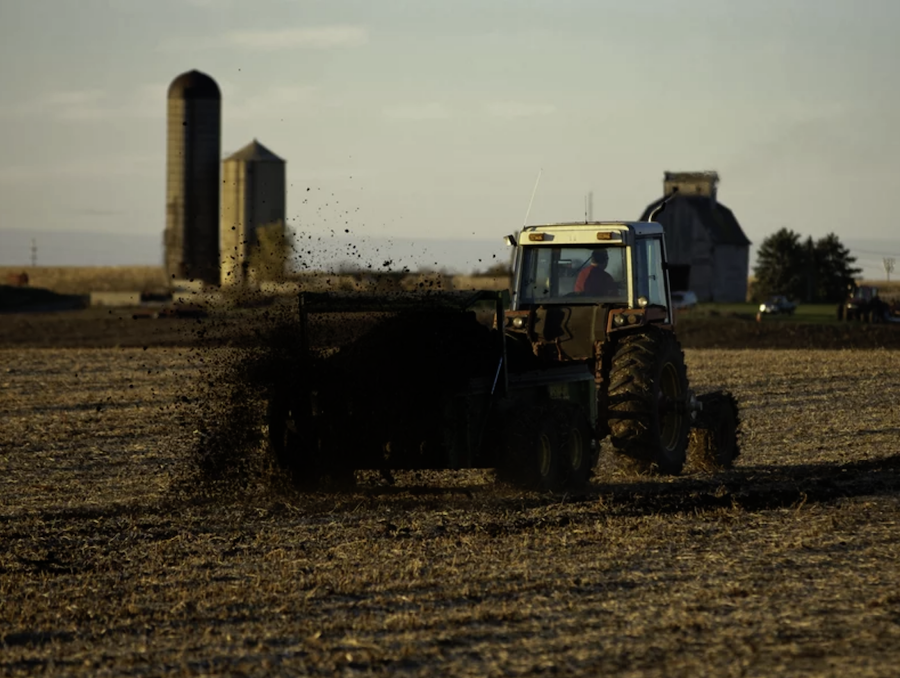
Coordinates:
<point>709,253</point>
<point>253,196</point>
<point>193,140</point>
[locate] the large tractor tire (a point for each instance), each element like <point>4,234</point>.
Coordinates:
<point>532,458</point>
<point>578,455</point>
<point>648,393</point>
<point>715,438</point>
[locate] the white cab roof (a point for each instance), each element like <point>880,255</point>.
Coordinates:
<point>581,231</point>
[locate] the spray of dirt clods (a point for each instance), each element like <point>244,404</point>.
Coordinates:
<point>240,357</point>
<point>376,370</point>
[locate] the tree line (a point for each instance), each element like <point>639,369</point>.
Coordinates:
<point>804,270</point>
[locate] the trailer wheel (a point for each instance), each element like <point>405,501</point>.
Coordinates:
<point>714,440</point>
<point>577,455</point>
<point>648,388</point>
<point>290,443</point>
<point>532,458</point>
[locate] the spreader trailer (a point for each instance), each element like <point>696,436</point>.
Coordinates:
<point>425,382</point>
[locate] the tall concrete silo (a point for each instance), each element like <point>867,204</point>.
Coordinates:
<point>253,195</point>
<point>193,141</point>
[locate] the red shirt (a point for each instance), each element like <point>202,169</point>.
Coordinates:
<point>596,282</point>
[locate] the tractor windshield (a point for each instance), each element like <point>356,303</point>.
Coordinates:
<point>596,275</point>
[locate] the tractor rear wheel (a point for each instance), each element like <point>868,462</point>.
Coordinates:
<point>577,455</point>
<point>648,394</point>
<point>714,440</point>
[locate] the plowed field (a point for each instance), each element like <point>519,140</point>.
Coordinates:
<point>787,565</point>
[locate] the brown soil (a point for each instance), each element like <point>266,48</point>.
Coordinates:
<point>101,328</point>
<point>111,565</point>
<point>736,332</point>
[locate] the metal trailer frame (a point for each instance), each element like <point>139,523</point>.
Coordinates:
<point>474,417</point>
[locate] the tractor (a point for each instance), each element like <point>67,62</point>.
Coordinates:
<point>863,304</point>
<point>598,294</point>
<point>527,381</point>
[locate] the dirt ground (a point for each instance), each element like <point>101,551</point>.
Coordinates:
<point>787,565</point>
<point>114,328</point>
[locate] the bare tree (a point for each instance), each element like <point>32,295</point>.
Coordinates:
<point>269,253</point>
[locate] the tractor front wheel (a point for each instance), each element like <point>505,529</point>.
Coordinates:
<point>648,401</point>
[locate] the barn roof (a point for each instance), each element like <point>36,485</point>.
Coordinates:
<point>254,152</point>
<point>719,221</point>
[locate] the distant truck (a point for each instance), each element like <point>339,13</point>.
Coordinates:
<point>684,300</point>
<point>778,305</point>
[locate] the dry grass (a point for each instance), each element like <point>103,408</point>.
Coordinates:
<point>395,282</point>
<point>86,279</point>
<point>786,565</point>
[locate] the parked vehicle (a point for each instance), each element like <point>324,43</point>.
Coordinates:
<point>864,304</point>
<point>683,300</point>
<point>778,305</point>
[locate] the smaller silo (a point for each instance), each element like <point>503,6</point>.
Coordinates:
<point>253,195</point>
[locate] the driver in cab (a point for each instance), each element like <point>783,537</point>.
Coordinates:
<point>594,280</point>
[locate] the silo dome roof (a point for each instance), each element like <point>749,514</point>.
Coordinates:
<point>194,85</point>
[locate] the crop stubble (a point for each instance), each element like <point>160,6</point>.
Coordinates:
<point>786,565</point>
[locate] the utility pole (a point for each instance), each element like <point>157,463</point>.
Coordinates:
<point>33,252</point>
<point>888,266</point>
<point>811,282</point>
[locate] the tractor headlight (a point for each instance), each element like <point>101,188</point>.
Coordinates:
<point>618,320</point>
<point>642,302</point>
<point>518,322</point>
<point>762,308</point>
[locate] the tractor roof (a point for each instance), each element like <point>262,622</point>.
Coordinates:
<point>636,227</point>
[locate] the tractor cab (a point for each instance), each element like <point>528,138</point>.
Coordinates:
<point>575,283</point>
<point>612,263</point>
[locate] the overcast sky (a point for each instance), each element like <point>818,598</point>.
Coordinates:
<point>421,118</point>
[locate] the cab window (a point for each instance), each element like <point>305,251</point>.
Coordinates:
<point>552,274</point>
<point>649,275</point>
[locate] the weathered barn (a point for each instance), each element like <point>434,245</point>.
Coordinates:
<point>708,251</point>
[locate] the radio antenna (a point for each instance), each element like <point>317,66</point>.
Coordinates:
<point>534,190</point>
